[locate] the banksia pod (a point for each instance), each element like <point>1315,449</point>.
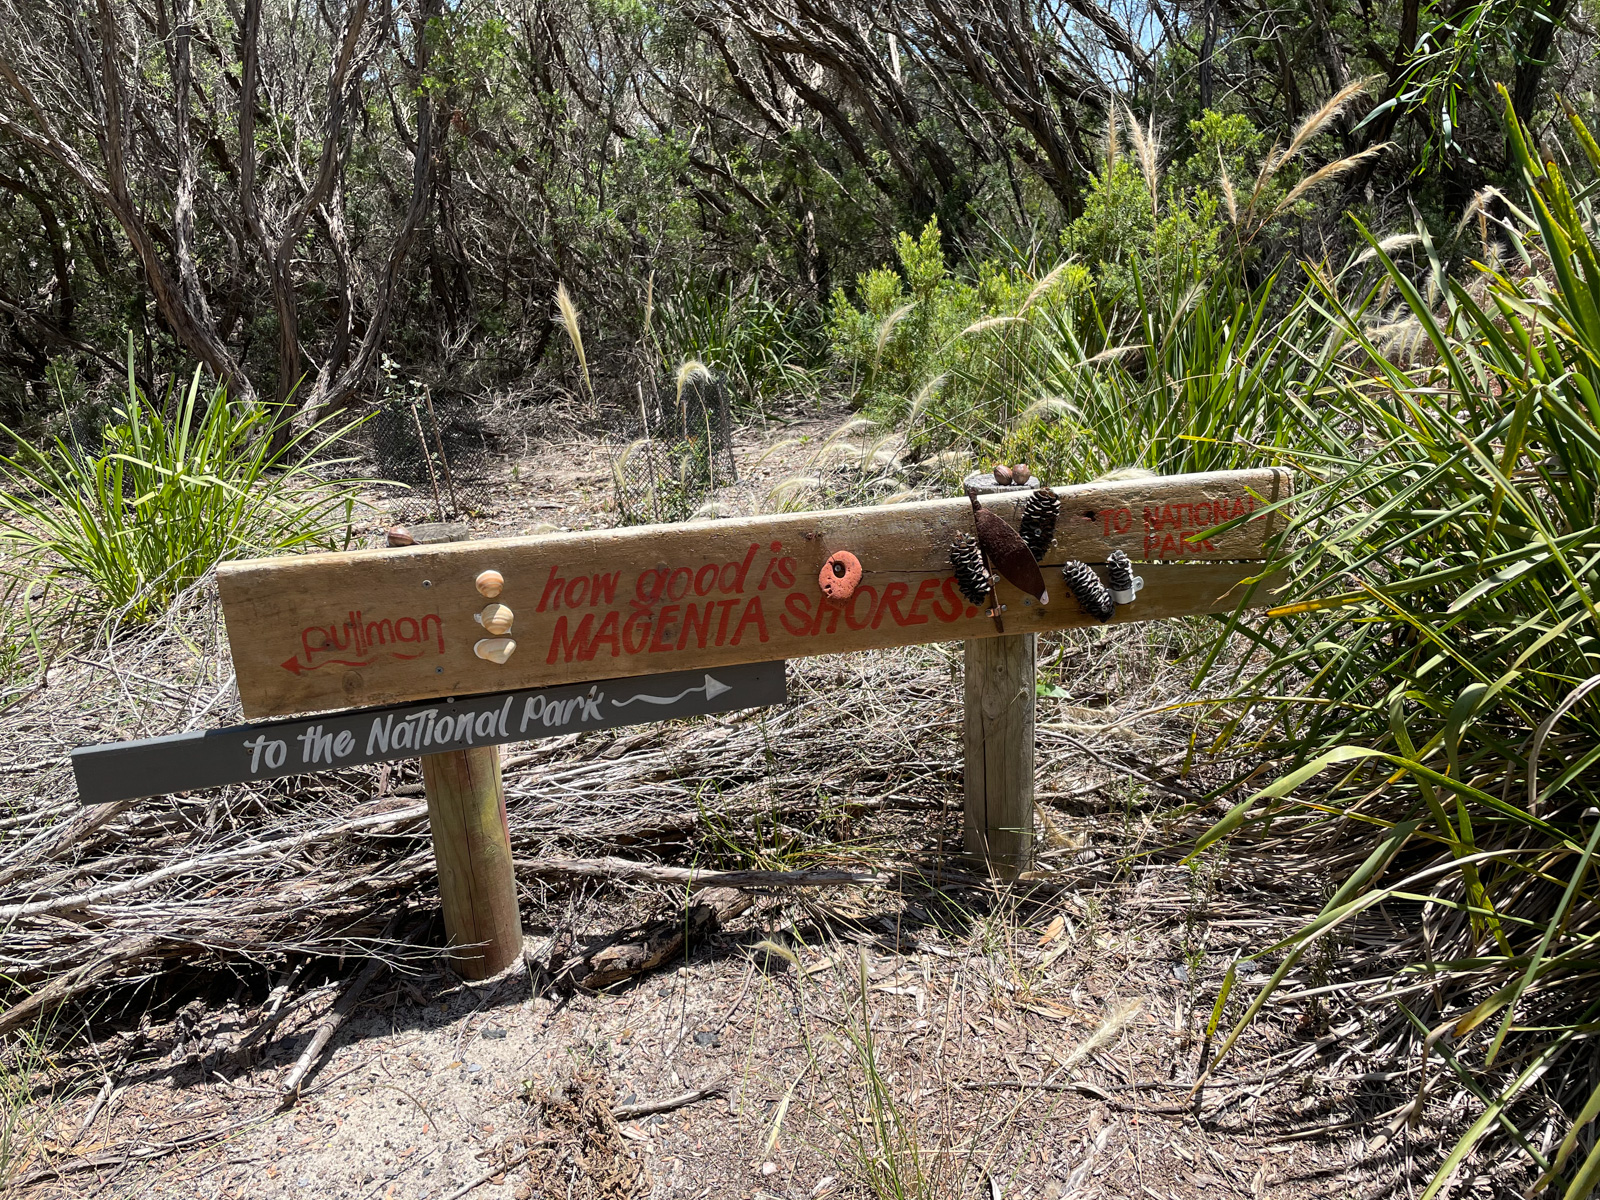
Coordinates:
<point>1092,595</point>
<point>1007,553</point>
<point>972,577</point>
<point>1038,525</point>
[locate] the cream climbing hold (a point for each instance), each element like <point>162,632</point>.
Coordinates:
<point>496,618</point>
<point>495,650</point>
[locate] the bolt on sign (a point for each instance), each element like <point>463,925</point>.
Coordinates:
<point>375,627</point>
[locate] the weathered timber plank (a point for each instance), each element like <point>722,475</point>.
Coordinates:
<point>380,626</point>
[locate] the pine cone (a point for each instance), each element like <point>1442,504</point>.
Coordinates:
<point>972,577</point>
<point>1092,595</point>
<point>1038,525</point>
<point>1119,572</point>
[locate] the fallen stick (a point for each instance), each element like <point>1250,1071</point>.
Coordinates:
<point>114,1158</point>
<point>488,1175</point>
<point>634,951</point>
<point>329,1025</point>
<point>647,1108</point>
<point>107,1090</point>
<point>326,1028</point>
<point>637,872</point>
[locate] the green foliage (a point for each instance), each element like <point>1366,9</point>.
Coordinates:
<point>1222,142</point>
<point>1428,684</point>
<point>941,356</point>
<point>172,490</point>
<point>894,342</point>
<point>1206,377</point>
<point>745,337</point>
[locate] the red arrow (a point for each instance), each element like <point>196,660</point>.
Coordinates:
<point>293,664</point>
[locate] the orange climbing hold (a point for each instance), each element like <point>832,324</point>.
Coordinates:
<point>840,575</point>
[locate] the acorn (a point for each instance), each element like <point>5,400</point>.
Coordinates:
<point>1002,474</point>
<point>1007,552</point>
<point>1020,474</point>
<point>1092,595</point>
<point>489,583</point>
<point>1038,524</point>
<point>972,577</point>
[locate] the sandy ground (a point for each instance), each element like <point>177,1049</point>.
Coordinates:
<point>936,1037</point>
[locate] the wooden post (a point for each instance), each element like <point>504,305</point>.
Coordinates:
<point>1000,698</point>
<point>471,840</point>
<point>472,849</point>
<point>998,728</point>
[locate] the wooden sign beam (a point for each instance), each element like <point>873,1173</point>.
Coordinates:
<point>272,750</point>
<point>319,632</point>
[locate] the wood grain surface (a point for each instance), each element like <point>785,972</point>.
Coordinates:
<point>318,632</point>
<point>472,849</point>
<point>997,741</point>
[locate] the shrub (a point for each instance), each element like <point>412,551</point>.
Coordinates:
<point>1428,688</point>
<point>746,338</point>
<point>170,491</point>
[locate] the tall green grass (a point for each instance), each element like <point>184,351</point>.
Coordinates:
<point>745,337</point>
<point>1202,375</point>
<point>1430,690</point>
<point>170,490</point>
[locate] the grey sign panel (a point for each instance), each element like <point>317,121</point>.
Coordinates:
<point>211,757</point>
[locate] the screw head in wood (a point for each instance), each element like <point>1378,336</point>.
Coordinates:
<point>495,650</point>
<point>489,583</point>
<point>840,575</point>
<point>496,618</point>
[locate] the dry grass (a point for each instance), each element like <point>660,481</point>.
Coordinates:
<point>937,1037</point>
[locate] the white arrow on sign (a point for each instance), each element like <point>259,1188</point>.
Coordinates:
<point>712,688</point>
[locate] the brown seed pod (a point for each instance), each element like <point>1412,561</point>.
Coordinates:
<point>401,536</point>
<point>1008,553</point>
<point>1092,595</point>
<point>489,583</point>
<point>1020,473</point>
<point>1002,474</point>
<point>840,575</point>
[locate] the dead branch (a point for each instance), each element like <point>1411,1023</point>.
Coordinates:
<point>646,1108</point>
<point>622,870</point>
<point>645,948</point>
<point>326,1028</point>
